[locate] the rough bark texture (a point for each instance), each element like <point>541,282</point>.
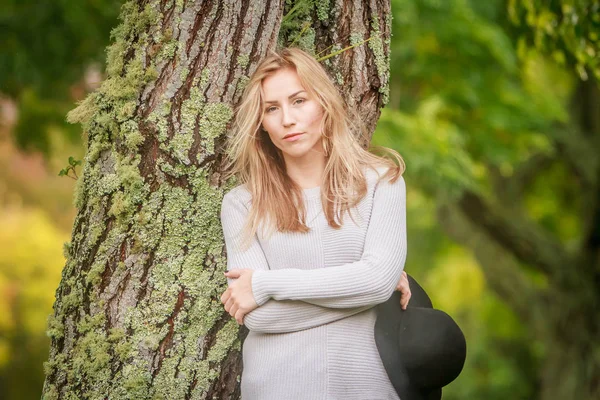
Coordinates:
<point>137,313</point>
<point>560,306</point>
<point>361,73</point>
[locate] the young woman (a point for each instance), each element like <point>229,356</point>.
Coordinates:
<point>315,235</point>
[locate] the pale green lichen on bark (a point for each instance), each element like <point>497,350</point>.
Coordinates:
<point>84,112</point>
<point>243,60</point>
<point>381,60</point>
<point>54,364</point>
<point>168,50</point>
<point>67,249</point>
<point>307,40</point>
<point>51,393</point>
<point>227,339</point>
<point>159,120</point>
<point>177,170</point>
<point>185,71</point>
<point>356,38</point>
<point>211,120</point>
<point>106,250</point>
<point>55,327</point>
<point>191,109</point>
<point>134,189</point>
<point>90,357</point>
<point>180,225</point>
<point>99,114</point>
<point>388,18</point>
<point>131,134</point>
<point>213,124</point>
<point>204,77</point>
<point>322,8</point>
<point>200,229</point>
<point>75,297</point>
<point>182,140</point>
<point>242,83</point>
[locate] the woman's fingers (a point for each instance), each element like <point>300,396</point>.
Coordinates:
<point>231,307</point>
<point>404,300</point>
<point>404,289</point>
<point>403,281</point>
<point>239,317</point>
<point>234,309</point>
<point>225,296</point>
<point>228,304</point>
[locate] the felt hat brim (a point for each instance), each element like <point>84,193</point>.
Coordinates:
<point>391,327</point>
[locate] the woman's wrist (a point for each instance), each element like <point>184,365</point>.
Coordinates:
<point>259,291</point>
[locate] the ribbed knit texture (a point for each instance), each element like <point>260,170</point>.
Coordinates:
<point>311,338</point>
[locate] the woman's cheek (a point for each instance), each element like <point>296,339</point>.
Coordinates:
<point>316,114</point>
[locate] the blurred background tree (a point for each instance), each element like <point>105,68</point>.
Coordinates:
<point>503,141</point>
<point>494,106</point>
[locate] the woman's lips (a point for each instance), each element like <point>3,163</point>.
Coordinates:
<point>293,137</point>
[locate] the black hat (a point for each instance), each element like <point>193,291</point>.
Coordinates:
<point>422,349</point>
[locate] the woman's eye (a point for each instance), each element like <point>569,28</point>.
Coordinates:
<point>297,101</point>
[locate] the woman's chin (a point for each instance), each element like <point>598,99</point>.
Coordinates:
<point>296,154</point>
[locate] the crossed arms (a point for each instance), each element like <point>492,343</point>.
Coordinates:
<point>294,299</point>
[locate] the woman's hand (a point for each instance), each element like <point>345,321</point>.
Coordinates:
<point>238,298</point>
<point>404,290</point>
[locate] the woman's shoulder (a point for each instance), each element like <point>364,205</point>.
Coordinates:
<point>377,173</point>
<point>239,193</point>
<point>378,170</point>
<point>382,185</point>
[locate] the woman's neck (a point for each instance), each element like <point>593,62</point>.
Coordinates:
<point>307,173</point>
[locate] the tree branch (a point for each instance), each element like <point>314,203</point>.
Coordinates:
<point>578,152</point>
<point>591,242</point>
<point>584,109</point>
<point>510,189</point>
<point>502,272</point>
<point>516,234</point>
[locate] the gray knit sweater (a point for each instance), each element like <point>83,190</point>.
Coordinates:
<point>311,338</point>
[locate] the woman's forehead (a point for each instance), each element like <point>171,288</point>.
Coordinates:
<point>282,83</point>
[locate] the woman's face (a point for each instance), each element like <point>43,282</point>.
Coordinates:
<point>289,109</point>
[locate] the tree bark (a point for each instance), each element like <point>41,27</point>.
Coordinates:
<point>137,313</point>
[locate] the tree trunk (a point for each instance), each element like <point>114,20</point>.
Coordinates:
<point>137,313</point>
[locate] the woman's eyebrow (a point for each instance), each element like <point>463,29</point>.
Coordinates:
<point>289,97</point>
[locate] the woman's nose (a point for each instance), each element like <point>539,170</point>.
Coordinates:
<point>287,118</point>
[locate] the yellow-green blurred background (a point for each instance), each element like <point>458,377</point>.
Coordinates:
<point>469,85</point>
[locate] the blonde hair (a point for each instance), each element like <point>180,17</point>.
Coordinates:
<point>258,164</point>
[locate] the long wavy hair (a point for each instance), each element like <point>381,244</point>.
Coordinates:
<point>277,201</point>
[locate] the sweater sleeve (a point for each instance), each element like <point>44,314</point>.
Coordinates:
<point>294,315</point>
<point>368,281</point>
<point>272,316</point>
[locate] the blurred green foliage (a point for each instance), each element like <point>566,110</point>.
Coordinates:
<point>469,98</point>
<point>45,47</point>
<point>461,101</point>
<point>31,262</point>
<point>475,86</point>
<point>568,30</point>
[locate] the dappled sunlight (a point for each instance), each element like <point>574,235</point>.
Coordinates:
<point>31,262</point>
